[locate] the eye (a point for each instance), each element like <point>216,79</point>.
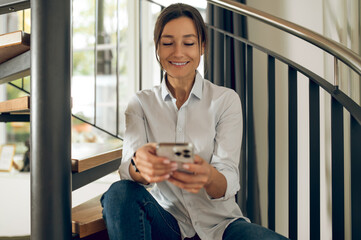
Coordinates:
<point>166,44</point>
<point>189,44</point>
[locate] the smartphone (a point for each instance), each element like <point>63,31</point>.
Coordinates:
<point>177,152</point>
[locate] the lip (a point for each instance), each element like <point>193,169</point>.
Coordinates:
<point>178,63</point>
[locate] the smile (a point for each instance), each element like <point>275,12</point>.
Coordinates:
<point>179,63</point>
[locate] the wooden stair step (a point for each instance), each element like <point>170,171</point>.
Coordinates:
<point>16,106</point>
<point>89,155</point>
<point>87,218</point>
<point>13,44</point>
<point>84,155</point>
<point>15,68</point>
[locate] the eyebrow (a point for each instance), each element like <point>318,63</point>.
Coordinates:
<point>185,36</point>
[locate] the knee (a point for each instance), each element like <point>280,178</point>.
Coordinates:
<point>121,192</point>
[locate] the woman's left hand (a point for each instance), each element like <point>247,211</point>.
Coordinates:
<point>200,176</point>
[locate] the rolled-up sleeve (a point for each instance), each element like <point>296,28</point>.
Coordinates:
<point>227,145</point>
<point>135,133</point>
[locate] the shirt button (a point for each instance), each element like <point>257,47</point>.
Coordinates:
<point>179,129</point>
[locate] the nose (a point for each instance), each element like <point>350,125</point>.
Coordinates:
<point>178,50</point>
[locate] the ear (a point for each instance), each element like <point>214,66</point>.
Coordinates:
<point>202,49</point>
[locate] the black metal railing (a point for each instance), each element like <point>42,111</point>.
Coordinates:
<point>339,103</point>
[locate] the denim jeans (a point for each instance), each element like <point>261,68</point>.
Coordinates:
<point>131,212</point>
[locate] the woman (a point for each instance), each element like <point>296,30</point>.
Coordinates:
<point>184,108</point>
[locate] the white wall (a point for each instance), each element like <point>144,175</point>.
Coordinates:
<point>340,21</point>
<point>307,13</point>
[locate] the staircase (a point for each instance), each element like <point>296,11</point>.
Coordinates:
<point>78,163</point>
<point>51,84</point>
<point>89,162</point>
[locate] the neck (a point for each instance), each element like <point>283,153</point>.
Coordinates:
<point>180,88</point>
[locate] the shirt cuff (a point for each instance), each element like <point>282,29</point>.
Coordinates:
<point>124,170</point>
<point>232,186</point>
<point>125,175</point>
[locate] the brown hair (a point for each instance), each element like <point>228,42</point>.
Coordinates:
<point>175,11</point>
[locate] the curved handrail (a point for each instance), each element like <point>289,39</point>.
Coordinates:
<point>336,49</point>
<point>353,108</point>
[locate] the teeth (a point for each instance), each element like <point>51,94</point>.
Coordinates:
<point>179,64</point>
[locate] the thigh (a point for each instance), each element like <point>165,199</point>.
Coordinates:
<point>130,210</point>
<point>163,225</point>
<point>241,229</point>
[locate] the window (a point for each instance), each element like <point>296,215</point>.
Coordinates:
<point>103,65</point>
<point>113,57</point>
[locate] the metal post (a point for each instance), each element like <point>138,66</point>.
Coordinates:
<point>292,154</point>
<point>336,74</point>
<point>50,120</point>
<point>271,77</point>
<point>338,183</point>
<point>314,130</point>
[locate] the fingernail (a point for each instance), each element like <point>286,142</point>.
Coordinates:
<point>185,166</point>
<point>174,166</point>
<point>166,161</point>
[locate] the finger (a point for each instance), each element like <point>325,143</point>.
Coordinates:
<point>197,166</point>
<point>193,190</point>
<point>197,159</point>
<point>165,165</point>
<point>184,185</point>
<point>187,178</point>
<point>154,179</point>
<point>156,170</point>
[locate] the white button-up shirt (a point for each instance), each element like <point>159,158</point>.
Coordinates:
<point>211,119</point>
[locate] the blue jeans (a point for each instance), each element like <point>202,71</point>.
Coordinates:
<point>131,212</point>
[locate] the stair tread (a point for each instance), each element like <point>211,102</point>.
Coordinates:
<point>84,155</point>
<point>15,68</point>
<point>87,218</point>
<point>89,155</point>
<point>13,44</point>
<point>17,105</point>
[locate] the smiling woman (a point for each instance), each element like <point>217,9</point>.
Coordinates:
<point>179,54</point>
<point>185,108</point>
<point>179,49</point>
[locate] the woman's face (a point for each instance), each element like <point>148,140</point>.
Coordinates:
<point>179,51</point>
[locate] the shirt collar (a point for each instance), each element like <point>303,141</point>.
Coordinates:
<point>196,89</point>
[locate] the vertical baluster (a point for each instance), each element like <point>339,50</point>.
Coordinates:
<point>292,152</point>
<point>355,178</point>
<point>117,75</point>
<point>250,133</point>
<point>314,118</point>
<point>161,71</point>
<point>208,73</point>
<point>338,218</point>
<point>96,61</point>
<point>140,45</point>
<point>228,59</point>
<point>218,47</point>
<point>271,144</point>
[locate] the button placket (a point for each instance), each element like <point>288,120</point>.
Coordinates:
<point>180,125</point>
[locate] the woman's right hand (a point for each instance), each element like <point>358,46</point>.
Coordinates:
<point>151,167</point>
